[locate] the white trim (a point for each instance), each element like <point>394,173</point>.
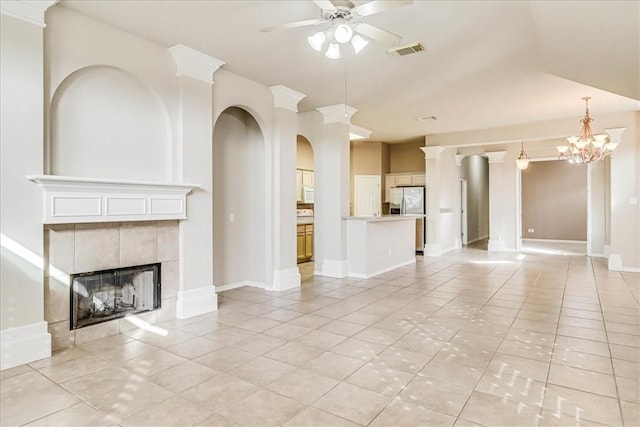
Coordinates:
<point>24,344</point>
<point>615,264</point>
<point>339,113</point>
<point>70,200</point>
<point>337,268</point>
<point>358,132</point>
<point>194,302</point>
<point>432,250</point>
<point>598,256</point>
<point>194,64</point>
<point>28,11</point>
<point>284,97</point>
<point>554,241</point>
<point>495,156</point>
<point>433,152</point>
<point>236,285</point>
<point>384,270</point>
<point>286,279</point>
<point>496,246</point>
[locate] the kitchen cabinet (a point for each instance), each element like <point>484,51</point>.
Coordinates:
<point>298,185</point>
<point>304,239</point>
<point>392,180</point>
<point>307,178</point>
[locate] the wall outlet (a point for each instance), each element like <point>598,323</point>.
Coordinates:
<point>531,230</point>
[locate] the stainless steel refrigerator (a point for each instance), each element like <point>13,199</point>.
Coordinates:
<point>411,201</point>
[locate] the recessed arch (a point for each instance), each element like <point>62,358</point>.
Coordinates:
<point>104,122</point>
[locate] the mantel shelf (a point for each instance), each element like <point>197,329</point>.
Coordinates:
<point>70,199</point>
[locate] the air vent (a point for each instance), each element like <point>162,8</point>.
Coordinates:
<point>407,49</point>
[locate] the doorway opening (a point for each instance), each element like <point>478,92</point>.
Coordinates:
<point>474,202</point>
<point>554,208</point>
<point>305,208</point>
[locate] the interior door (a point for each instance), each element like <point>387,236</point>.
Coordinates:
<point>366,195</point>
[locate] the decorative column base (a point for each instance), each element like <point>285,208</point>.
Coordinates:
<point>432,249</point>
<point>286,279</point>
<point>194,302</point>
<point>496,246</point>
<point>333,268</point>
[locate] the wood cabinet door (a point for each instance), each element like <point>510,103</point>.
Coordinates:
<point>307,178</point>
<point>389,183</point>
<point>418,179</point>
<point>308,242</point>
<point>298,185</point>
<point>301,249</point>
<point>403,180</point>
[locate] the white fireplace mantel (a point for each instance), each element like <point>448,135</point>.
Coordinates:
<point>70,200</point>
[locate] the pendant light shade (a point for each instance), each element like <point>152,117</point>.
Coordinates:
<point>523,160</point>
<point>333,51</point>
<point>317,40</point>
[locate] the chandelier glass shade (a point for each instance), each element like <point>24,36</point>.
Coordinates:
<point>523,160</point>
<point>331,40</point>
<point>586,147</point>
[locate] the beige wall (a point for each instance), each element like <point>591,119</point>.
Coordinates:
<point>406,157</point>
<point>305,154</point>
<point>554,201</point>
<point>475,169</point>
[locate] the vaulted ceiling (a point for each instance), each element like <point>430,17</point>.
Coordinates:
<point>486,64</point>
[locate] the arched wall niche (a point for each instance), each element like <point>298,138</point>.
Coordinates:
<point>239,199</point>
<point>106,123</point>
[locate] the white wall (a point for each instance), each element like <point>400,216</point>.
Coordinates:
<point>21,259</point>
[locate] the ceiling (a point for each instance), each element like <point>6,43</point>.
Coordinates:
<point>486,64</point>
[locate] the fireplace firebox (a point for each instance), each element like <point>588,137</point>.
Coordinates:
<point>100,296</point>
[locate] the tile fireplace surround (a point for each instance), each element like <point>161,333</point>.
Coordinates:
<point>78,248</point>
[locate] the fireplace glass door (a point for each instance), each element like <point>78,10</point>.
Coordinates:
<point>110,294</point>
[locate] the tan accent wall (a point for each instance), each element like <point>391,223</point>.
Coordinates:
<point>475,169</point>
<point>406,157</point>
<point>304,154</point>
<point>554,201</point>
<point>366,158</point>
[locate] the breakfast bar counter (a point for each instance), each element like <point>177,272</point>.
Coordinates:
<point>379,244</point>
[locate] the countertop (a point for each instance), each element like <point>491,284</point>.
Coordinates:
<point>381,218</point>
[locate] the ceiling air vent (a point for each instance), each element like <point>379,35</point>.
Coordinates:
<point>407,49</point>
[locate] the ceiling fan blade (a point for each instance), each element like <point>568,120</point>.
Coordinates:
<point>325,5</point>
<point>294,25</point>
<point>377,6</point>
<point>379,35</point>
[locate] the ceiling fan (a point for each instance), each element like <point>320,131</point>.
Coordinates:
<point>343,17</point>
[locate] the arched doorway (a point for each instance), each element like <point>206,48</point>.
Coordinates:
<point>239,208</point>
<point>305,203</point>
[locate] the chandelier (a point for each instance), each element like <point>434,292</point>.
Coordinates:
<point>334,37</point>
<point>586,147</point>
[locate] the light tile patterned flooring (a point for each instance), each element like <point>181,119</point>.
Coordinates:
<point>472,338</point>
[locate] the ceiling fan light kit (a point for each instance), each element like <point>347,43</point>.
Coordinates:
<point>345,28</point>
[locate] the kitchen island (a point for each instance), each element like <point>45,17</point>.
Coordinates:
<point>379,244</point>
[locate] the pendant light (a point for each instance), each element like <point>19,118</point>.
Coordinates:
<point>523,160</point>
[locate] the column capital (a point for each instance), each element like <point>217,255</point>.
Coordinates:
<point>28,11</point>
<point>195,64</point>
<point>357,132</point>
<point>284,97</point>
<point>459,158</point>
<point>433,152</point>
<point>615,134</point>
<point>339,113</point>
<point>495,156</point>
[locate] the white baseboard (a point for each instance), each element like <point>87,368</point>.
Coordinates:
<point>598,255</point>
<point>607,250</point>
<point>554,241</point>
<point>286,279</point>
<point>615,264</point>
<point>24,344</point>
<point>333,268</point>
<point>496,246</point>
<point>477,239</point>
<point>194,302</point>
<point>235,285</point>
<point>432,250</point>
<point>393,267</point>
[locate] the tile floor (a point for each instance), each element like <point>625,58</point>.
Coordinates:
<point>471,338</point>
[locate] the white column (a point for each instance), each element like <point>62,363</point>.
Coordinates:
<point>285,270</point>
<point>624,243</point>
<point>497,202</point>
<point>194,159</point>
<point>24,335</point>
<point>331,182</point>
<point>433,246</point>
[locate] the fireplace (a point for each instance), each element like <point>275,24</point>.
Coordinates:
<point>104,295</point>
